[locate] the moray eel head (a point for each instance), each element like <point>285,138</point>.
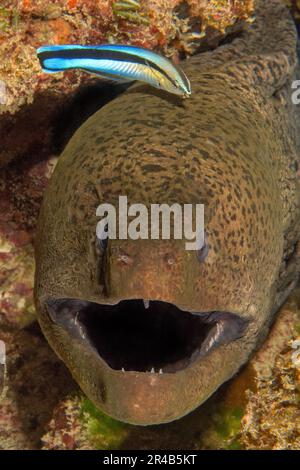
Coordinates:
<point>149,329</point>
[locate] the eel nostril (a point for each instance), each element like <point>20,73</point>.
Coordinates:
<point>169,259</point>
<point>125,259</point>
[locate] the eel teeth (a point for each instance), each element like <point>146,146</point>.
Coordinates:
<point>146,303</point>
<point>225,330</point>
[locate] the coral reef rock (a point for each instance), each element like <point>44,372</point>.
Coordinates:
<point>31,101</point>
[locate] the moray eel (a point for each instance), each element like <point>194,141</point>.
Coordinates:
<point>233,146</point>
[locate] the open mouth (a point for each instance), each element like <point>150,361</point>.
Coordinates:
<point>145,336</point>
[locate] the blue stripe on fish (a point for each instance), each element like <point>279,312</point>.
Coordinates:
<point>119,62</point>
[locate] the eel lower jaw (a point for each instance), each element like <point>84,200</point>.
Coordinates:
<point>145,336</point>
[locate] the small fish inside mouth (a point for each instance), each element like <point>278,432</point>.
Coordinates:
<point>147,336</point>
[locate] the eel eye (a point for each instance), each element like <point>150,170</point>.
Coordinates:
<point>102,240</point>
<point>203,251</point>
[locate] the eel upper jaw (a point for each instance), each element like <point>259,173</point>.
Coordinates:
<point>145,336</point>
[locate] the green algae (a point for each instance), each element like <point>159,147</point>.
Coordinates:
<point>15,18</point>
<point>104,432</point>
<point>227,427</point>
<point>4,19</point>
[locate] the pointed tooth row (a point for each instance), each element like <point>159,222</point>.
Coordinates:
<point>78,324</point>
<point>226,329</point>
<point>152,371</point>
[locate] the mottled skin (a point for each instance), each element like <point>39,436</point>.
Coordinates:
<point>234,145</point>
